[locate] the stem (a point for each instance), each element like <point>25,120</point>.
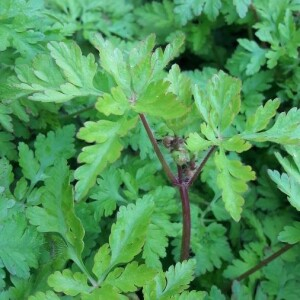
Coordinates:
<point>161,158</point>
<point>202,164</point>
<point>265,262</point>
<point>186,217</point>
<point>78,112</point>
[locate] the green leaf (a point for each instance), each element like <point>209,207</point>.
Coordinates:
<point>158,102</point>
<point>68,75</point>
<point>57,211</point>
<point>113,61</point>
<point>250,257</point>
<point>5,118</point>
<point>232,179</point>
<point>288,185</point>
<point>20,253</point>
<point>286,130</point>
<point>235,143</point>
<point>130,278</point>
<point>211,247</point>
<point>126,239</point>
<point>7,147</point>
<point>257,56</point>
<point>242,7</point>
<point>195,143</point>
<point>289,182</point>
<point>105,292</point>
<point>215,294</point>
<point>68,282</point>
<point>262,116</point>
<point>212,8</point>
<point>290,234</point>
<point>96,157</point>
<point>187,10</point>
<point>191,296</point>
<point>49,295</point>
<point>220,102</point>
<point>79,70</point>
<point>115,103</point>
<point>28,162</point>
<point>172,283</point>
<point>6,174</point>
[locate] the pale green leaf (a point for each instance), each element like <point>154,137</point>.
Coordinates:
<point>288,185</point>
<point>113,61</point>
<point>104,292</point>
<point>262,116</point>
<point>49,295</point>
<point>68,282</point>
<point>290,234</point>
<point>192,295</point>
<point>236,144</point>
<point>79,70</point>
<point>96,157</point>
<point>232,180</point>
<point>130,278</point>
<point>115,103</point>
<point>158,102</point>
<point>220,102</point>
<point>286,130</point>
<point>242,7</point>
<point>195,143</point>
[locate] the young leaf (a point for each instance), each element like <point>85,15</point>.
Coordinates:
<point>242,7</point>
<point>115,103</point>
<point>232,179</point>
<point>195,143</point>
<point>68,282</point>
<point>220,102</point>
<point>96,157</point>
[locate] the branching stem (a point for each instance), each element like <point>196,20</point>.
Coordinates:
<point>202,164</point>
<point>265,262</point>
<point>160,156</point>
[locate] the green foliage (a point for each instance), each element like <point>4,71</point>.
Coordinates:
<point>88,202</point>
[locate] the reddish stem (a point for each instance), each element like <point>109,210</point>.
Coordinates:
<point>161,158</point>
<point>186,217</point>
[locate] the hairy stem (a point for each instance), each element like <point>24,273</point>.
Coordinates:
<point>265,262</point>
<point>186,217</point>
<point>202,164</point>
<point>161,158</point>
